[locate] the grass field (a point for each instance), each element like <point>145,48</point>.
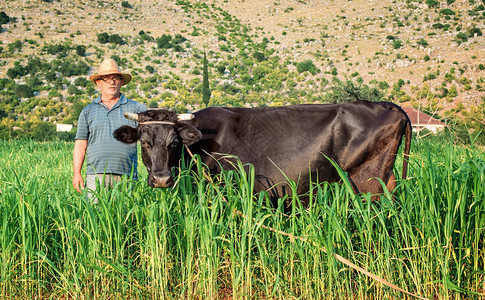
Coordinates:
<point>188,243</point>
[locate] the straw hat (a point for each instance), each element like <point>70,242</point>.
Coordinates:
<point>110,67</point>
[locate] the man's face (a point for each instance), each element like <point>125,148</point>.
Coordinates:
<point>110,85</point>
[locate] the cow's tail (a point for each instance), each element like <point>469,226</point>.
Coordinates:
<point>407,147</point>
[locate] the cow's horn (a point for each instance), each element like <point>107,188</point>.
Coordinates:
<point>185,117</point>
<point>131,116</point>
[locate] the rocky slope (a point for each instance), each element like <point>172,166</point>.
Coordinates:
<point>432,52</point>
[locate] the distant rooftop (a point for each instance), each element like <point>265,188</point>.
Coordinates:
<point>420,120</point>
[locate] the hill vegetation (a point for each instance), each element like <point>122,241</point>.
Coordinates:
<point>428,54</point>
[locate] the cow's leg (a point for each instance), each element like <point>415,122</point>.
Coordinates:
<point>391,182</point>
<point>380,166</point>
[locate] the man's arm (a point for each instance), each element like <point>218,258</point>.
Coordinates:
<point>79,153</point>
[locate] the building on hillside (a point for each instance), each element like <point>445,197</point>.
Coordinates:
<point>420,120</point>
<point>63,127</point>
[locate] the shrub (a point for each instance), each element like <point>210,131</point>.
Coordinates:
<point>447,12</point>
<point>348,92</point>
<point>164,42</point>
<point>422,42</point>
<point>195,32</point>
<point>17,71</point>
<point>145,36</point>
<point>23,91</point>
<point>150,69</point>
<point>399,84</point>
<point>70,68</point>
<point>126,4</point>
<point>44,131</point>
<point>81,81</point>
<point>432,3</point>
<point>430,76</point>
<point>461,37</point>
<point>449,77</point>
<point>81,50</point>
<point>307,65</point>
<point>57,49</point>
<point>178,39</point>
<point>229,89</point>
<point>383,85</point>
<point>259,56</point>
<point>153,104</point>
<point>397,44</point>
<point>473,31</point>
<point>4,18</point>
<point>15,46</point>
<point>103,38</point>
<point>116,39</point>
<point>50,76</point>
<point>224,48</point>
<point>438,26</point>
<point>73,90</point>
<point>221,69</point>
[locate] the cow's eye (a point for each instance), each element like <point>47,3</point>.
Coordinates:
<point>144,143</point>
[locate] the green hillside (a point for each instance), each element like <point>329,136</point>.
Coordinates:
<point>427,54</point>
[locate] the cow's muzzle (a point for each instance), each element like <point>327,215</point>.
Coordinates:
<point>161,180</point>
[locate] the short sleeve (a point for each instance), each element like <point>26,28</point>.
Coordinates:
<point>82,126</point>
<point>141,108</point>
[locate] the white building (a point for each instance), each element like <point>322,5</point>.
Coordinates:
<point>63,127</point>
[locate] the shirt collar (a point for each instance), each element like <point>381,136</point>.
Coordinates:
<point>122,100</point>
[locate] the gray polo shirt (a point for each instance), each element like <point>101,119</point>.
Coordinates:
<point>104,153</point>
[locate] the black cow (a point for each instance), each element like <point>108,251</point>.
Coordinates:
<point>280,142</point>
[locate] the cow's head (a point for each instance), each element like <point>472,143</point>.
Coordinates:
<point>161,133</point>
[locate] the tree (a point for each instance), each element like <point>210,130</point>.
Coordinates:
<point>206,92</point>
<point>73,90</point>
<point>23,91</point>
<point>259,56</point>
<point>116,39</point>
<point>75,111</point>
<point>17,71</point>
<point>44,131</point>
<point>341,92</point>
<point>461,37</point>
<point>422,42</point>
<point>397,44</point>
<point>163,42</point>
<point>153,104</point>
<point>432,3</point>
<point>307,65</point>
<point>103,38</point>
<point>81,50</point>
<point>150,69</point>
<point>126,4</point>
<point>4,18</point>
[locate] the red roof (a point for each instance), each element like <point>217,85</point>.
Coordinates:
<point>419,118</point>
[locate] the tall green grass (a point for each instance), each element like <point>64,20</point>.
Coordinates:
<point>190,243</point>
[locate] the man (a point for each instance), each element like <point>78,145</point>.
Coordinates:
<point>106,158</point>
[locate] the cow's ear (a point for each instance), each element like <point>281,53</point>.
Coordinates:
<point>126,134</point>
<point>189,134</point>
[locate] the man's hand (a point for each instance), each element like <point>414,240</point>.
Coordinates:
<point>78,182</point>
<point>80,147</point>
